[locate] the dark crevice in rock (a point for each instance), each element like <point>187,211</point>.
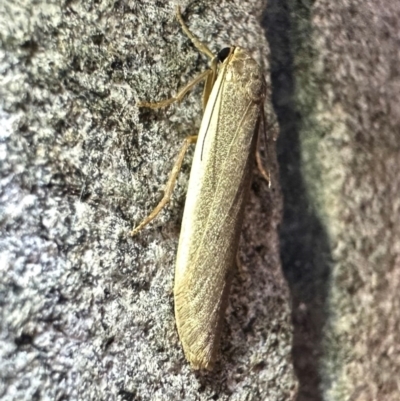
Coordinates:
<point>305,250</point>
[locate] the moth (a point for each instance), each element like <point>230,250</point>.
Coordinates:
<point>220,178</point>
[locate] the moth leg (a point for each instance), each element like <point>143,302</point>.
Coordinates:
<point>210,81</point>
<point>169,186</point>
<point>239,262</point>
<point>201,47</point>
<point>240,266</point>
<point>266,175</point>
<point>179,96</point>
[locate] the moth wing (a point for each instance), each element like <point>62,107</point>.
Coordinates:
<point>202,288</point>
<point>202,294</point>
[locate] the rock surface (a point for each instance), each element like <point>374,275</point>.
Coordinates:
<point>87,311</point>
<point>335,71</point>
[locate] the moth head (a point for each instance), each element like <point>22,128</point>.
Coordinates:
<point>224,53</point>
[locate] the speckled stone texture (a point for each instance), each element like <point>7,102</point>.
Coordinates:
<point>86,311</point>
<point>336,75</point>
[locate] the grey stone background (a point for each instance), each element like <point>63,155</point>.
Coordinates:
<point>87,312</point>
<point>336,78</point>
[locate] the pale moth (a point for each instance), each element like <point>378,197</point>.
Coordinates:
<point>233,100</point>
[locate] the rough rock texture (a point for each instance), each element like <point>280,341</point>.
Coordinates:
<point>336,76</point>
<point>86,311</point>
